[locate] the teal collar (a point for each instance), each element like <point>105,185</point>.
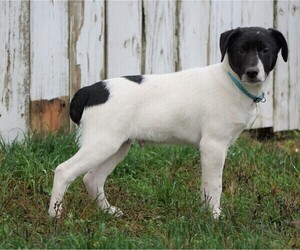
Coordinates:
<point>255,99</point>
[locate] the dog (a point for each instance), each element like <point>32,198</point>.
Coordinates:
<point>205,107</point>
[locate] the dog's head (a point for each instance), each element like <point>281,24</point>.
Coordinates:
<point>252,52</point>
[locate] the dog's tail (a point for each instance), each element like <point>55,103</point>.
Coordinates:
<point>78,104</point>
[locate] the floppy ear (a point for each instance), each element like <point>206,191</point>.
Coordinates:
<point>281,42</point>
<point>226,38</point>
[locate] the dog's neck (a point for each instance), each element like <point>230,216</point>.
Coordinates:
<point>253,89</point>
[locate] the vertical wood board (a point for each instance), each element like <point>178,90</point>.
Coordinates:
<point>49,49</point>
<point>124,38</point>
<point>224,15</point>
<point>14,69</point>
<point>160,36</point>
<point>193,34</point>
<point>49,55</point>
<point>286,88</point>
<point>87,37</point>
<point>294,64</point>
<point>281,85</point>
<point>257,13</point>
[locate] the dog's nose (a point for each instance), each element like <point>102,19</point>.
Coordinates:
<point>252,72</point>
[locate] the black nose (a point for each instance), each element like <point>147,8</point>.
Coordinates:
<point>252,72</point>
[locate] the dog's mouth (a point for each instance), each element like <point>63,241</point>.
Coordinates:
<point>252,80</point>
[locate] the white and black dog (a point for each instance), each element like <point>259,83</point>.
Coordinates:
<point>206,107</point>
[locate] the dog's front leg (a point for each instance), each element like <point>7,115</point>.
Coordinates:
<point>213,154</point>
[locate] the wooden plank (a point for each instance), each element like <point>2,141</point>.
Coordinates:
<point>286,88</point>
<point>160,36</point>
<point>48,56</point>
<point>14,69</point>
<point>294,64</point>
<point>260,13</point>
<point>281,84</point>
<point>49,115</point>
<point>257,13</point>
<point>193,35</point>
<point>224,15</point>
<point>87,36</point>
<point>124,38</point>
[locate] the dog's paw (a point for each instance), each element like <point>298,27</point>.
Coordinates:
<point>114,211</point>
<point>55,210</point>
<point>216,213</point>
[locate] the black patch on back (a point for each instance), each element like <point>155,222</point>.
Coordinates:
<point>136,78</point>
<point>86,97</point>
<point>98,94</point>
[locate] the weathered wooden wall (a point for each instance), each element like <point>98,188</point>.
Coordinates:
<point>14,68</point>
<point>49,49</point>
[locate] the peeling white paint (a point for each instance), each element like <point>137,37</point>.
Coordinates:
<point>124,37</point>
<point>49,33</point>
<point>14,69</point>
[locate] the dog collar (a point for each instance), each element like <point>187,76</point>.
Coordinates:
<point>255,99</point>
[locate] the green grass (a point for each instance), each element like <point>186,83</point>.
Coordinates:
<point>158,190</point>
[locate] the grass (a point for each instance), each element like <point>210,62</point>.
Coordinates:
<point>158,190</point>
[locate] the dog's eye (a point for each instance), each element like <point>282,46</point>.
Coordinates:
<point>241,51</point>
<point>265,51</point>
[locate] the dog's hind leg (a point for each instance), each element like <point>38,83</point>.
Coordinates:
<point>94,180</point>
<point>88,157</point>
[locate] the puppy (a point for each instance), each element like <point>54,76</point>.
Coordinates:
<point>205,107</point>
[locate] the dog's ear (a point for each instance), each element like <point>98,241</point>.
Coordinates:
<point>281,43</point>
<point>226,38</point>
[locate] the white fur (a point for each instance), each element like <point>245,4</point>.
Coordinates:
<point>200,107</point>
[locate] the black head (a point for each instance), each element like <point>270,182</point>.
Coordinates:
<point>252,52</point>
